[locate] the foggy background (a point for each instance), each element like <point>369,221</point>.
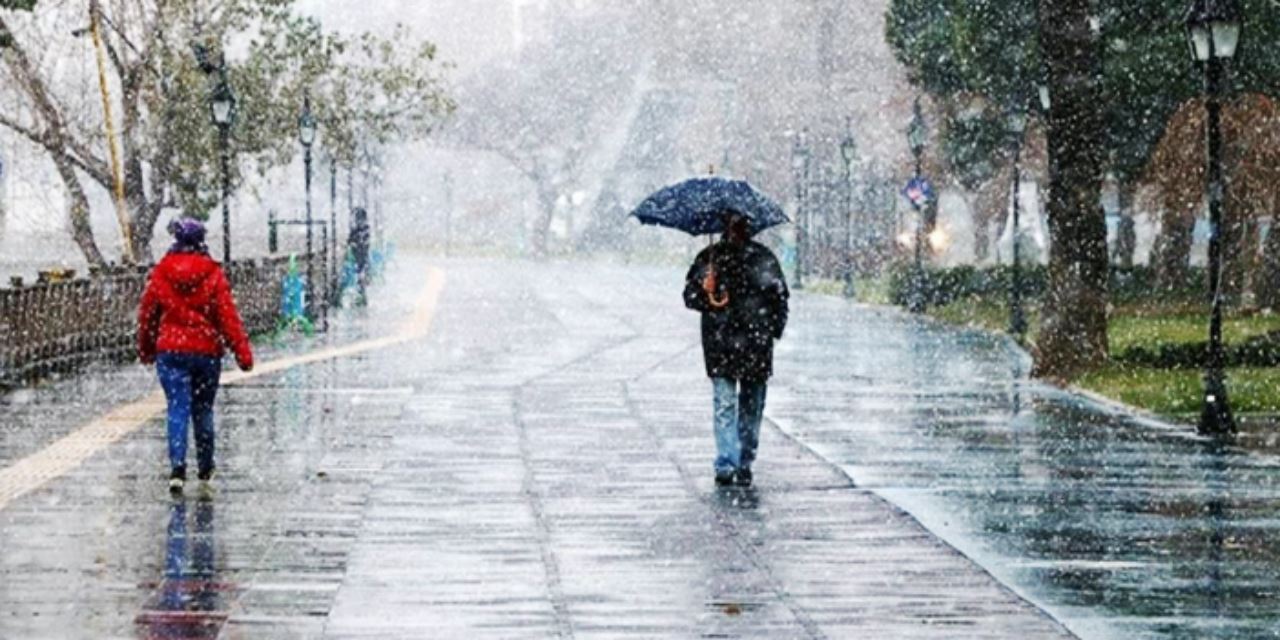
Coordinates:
<point>574,109</point>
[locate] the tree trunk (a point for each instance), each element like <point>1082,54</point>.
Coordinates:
<point>1073,334</point>
<point>1267,286</point>
<point>161,171</point>
<point>542,224</point>
<point>143,227</point>
<point>1127,231</point>
<point>4,196</point>
<point>78,212</point>
<point>1239,244</point>
<point>981,236</point>
<point>992,211</point>
<point>1172,255</point>
<point>55,139</point>
<point>141,210</point>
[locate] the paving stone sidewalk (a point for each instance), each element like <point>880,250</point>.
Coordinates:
<point>538,467</point>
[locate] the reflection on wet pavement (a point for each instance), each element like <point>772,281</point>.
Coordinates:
<point>190,602</point>
<point>1121,527</point>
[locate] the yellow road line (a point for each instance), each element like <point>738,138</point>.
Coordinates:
<point>64,455</point>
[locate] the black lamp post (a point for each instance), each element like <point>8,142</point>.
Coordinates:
<point>848,152</point>
<point>1213,31</point>
<point>331,275</point>
<point>917,135</point>
<point>307,136</point>
<point>222,109</point>
<point>1016,124</point>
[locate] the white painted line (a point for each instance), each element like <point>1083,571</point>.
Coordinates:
<point>337,391</point>
<point>64,455</point>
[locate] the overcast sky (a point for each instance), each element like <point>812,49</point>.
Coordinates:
<point>469,32</point>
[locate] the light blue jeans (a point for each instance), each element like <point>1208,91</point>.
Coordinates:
<point>739,409</point>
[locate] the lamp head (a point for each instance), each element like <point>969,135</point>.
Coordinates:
<point>222,104</point>
<point>1213,29</point>
<point>307,125</point>
<point>849,149</point>
<point>918,132</point>
<point>1016,122</point>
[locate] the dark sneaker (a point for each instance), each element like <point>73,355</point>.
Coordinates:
<point>177,480</point>
<point>206,475</point>
<point>742,478</point>
<point>724,479</point>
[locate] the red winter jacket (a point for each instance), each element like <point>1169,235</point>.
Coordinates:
<point>187,308</point>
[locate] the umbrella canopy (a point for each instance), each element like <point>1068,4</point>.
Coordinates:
<point>697,206</point>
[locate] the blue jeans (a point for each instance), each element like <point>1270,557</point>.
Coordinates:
<point>739,409</point>
<point>190,385</point>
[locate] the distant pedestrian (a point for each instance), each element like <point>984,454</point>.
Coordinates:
<point>185,322</point>
<point>738,286</point>
<point>358,248</point>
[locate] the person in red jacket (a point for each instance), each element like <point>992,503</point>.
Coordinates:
<point>186,320</point>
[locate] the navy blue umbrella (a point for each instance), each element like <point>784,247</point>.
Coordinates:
<point>697,206</point>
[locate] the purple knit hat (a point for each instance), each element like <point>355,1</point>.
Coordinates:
<point>188,233</point>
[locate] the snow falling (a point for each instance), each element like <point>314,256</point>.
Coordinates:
<point>652,319</point>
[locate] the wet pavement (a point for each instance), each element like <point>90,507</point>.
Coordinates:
<point>1119,526</point>
<point>538,465</point>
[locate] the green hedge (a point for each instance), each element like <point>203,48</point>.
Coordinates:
<point>1140,284</point>
<point>944,286</point>
<point>1259,351</point>
<point>1128,286</point>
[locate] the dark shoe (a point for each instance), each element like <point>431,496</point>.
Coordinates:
<point>742,478</point>
<point>177,479</point>
<point>725,479</point>
<point>206,475</point>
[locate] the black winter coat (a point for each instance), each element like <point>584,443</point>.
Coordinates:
<point>737,341</point>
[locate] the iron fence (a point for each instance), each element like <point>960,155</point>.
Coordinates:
<point>53,328</point>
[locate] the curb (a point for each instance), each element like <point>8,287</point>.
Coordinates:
<point>972,552</point>
<point>1136,415</point>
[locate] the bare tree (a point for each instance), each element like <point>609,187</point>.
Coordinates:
<point>47,127</point>
<point>543,113</point>
<point>167,147</point>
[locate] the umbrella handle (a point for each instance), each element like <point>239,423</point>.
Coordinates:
<point>709,285</point>
<point>709,282</point>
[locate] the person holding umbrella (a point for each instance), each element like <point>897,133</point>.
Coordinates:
<point>739,288</point>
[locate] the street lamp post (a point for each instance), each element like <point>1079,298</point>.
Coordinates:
<point>917,134</point>
<point>1016,124</point>
<point>1213,31</point>
<point>331,274</point>
<point>307,136</point>
<point>849,152</point>
<point>448,213</point>
<point>222,108</point>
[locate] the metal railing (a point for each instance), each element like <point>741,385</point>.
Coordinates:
<point>56,328</point>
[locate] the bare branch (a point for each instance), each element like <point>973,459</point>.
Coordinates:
<point>29,133</point>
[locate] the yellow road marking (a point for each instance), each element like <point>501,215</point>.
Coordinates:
<point>64,455</point>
